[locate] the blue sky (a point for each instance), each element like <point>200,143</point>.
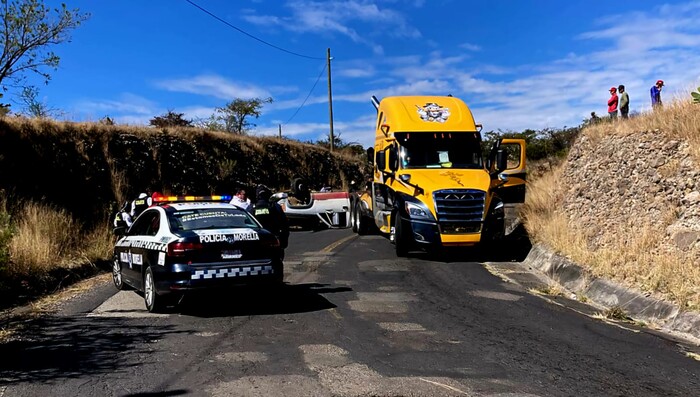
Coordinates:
<point>517,64</point>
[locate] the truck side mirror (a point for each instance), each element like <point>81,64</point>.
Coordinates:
<point>501,160</point>
<point>393,158</point>
<point>381,161</point>
<point>370,155</point>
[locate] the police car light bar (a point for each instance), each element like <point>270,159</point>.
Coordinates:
<point>171,199</point>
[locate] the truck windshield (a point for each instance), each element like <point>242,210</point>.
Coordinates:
<point>439,150</point>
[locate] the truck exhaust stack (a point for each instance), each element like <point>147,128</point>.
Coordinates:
<point>375,102</point>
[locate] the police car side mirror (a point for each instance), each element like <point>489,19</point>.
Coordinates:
<point>120,231</point>
<point>278,196</point>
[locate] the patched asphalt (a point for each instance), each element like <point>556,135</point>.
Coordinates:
<point>353,320</point>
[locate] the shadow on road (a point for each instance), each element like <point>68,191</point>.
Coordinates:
<point>513,248</point>
<point>53,348</point>
<point>286,299</point>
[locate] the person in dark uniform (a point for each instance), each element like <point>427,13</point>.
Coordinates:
<point>142,202</point>
<point>271,216</point>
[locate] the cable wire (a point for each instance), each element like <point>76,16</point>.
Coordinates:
<point>250,35</point>
<point>308,95</point>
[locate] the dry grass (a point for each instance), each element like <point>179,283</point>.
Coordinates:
<point>631,258</point>
<point>635,259</point>
<point>48,238</point>
<point>616,313</point>
<point>550,290</point>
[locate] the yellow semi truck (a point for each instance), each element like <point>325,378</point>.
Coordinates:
<point>431,187</point>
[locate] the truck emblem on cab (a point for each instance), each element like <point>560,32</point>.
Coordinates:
<point>433,112</point>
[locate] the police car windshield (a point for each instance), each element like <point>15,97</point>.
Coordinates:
<point>458,149</point>
<point>211,218</point>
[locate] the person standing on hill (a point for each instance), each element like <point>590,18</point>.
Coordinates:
<point>624,102</point>
<point>656,94</point>
<point>612,103</point>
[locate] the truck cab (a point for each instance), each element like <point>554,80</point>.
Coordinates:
<point>431,187</point>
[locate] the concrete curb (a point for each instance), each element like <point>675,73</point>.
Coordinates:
<point>608,294</point>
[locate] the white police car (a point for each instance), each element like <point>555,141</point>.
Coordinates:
<point>186,243</point>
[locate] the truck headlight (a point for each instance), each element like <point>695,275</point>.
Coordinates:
<point>498,209</point>
<point>415,211</point>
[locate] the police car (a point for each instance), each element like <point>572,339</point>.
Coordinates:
<point>186,243</point>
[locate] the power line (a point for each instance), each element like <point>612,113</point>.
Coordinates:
<point>250,35</point>
<point>308,95</point>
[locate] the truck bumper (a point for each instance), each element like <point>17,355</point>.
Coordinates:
<point>427,235</point>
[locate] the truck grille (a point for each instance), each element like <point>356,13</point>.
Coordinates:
<point>459,211</point>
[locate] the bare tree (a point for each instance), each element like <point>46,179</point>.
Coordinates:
<point>27,31</point>
<point>35,107</point>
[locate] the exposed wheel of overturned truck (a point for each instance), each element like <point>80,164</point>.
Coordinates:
<point>360,223</point>
<point>353,211</point>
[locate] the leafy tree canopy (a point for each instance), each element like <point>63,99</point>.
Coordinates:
<point>235,116</point>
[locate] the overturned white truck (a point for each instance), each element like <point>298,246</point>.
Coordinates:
<point>308,208</point>
<point>331,209</point>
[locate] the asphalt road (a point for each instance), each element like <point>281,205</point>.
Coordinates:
<point>353,320</point>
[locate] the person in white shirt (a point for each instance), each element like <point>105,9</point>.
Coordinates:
<point>240,199</point>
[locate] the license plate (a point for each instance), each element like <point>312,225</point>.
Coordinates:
<point>231,254</point>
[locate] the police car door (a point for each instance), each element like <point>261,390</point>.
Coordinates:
<point>142,247</point>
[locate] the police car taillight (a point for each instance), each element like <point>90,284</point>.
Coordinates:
<point>181,249</point>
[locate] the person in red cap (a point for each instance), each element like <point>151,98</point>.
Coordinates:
<point>612,103</point>
<point>656,94</point>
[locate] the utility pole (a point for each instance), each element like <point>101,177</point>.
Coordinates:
<point>280,127</point>
<point>330,95</point>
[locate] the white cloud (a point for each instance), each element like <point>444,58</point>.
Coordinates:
<point>126,104</point>
<point>360,130</point>
<point>340,17</point>
<point>215,86</point>
<point>470,47</point>
<point>647,46</point>
<point>355,73</point>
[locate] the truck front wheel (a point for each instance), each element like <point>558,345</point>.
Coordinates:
<point>400,241</point>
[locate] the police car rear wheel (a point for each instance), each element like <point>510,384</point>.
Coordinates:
<point>117,276</point>
<point>154,302</point>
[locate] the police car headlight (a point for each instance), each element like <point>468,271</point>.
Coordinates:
<point>415,211</point>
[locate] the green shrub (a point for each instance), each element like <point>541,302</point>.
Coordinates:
<point>696,95</point>
<point>540,144</point>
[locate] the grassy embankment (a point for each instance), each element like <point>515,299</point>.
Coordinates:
<point>632,258</point>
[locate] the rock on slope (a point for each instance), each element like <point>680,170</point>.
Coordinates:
<point>619,186</point>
